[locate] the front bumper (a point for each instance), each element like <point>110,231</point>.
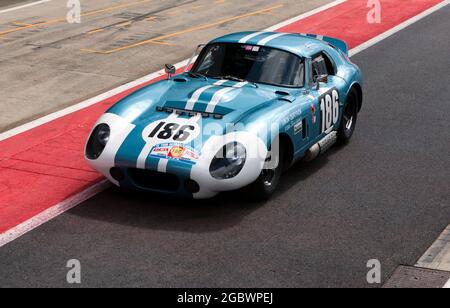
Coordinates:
<point>154,174</point>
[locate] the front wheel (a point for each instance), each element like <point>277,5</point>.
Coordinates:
<point>266,184</point>
<point>349,117</point>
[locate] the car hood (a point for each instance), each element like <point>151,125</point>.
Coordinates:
<point>248,105</point>
<point>226,102</point>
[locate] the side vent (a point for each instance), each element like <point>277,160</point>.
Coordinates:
<point>305,129</point>
<point>282,93</point>
<point>189,113</point>
<point>285,96</point>
<point>285,99</point>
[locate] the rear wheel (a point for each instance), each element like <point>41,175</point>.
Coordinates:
<point>349,117</point>
<point>266,184</point>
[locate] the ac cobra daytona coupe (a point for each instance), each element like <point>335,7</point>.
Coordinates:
<point>249,106</point>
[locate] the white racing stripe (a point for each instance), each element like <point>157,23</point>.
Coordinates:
<point>163,162</point>
<point>162,165</point>
<point>196,96</point>
<point>266,40</point>
<point>220,94</point>
<point>23,6</point>
<point>247,38</point>
<point>142,159</point>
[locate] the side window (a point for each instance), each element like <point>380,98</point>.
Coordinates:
<point>330,65</point>
<point>322,65</point>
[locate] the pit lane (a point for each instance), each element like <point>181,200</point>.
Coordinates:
<point>385,196</point>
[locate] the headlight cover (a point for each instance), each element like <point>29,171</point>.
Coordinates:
<point>97,141</point>
<point>228,162</point>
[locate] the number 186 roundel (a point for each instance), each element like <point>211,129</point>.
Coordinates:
<point>250,106</point>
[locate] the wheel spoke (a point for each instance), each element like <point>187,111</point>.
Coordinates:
<point>349,123</point>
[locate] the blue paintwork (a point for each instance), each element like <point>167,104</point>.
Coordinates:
<point>247,105</point>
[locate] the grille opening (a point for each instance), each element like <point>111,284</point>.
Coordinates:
<point>154,180</point>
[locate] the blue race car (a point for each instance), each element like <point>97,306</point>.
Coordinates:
<point>250,106</point>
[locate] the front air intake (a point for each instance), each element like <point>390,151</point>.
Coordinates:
<point>154,180</point>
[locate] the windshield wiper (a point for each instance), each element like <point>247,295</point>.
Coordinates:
<point>197,75</point>
<point>234,78</point>
<point>229,77</point>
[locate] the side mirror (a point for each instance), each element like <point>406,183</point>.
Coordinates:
<point>319,79</point>
<point>170,70</point>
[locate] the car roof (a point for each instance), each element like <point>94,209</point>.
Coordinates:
<point>300,44</point>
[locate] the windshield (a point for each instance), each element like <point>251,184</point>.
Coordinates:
<point>251,63</point>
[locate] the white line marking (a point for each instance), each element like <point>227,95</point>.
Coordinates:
<point>447,285</point>
<point>83,105</point>
<point>305,15</point>
<point>56,210</point>
<point>247,38</point>
<point>437,257</point>
<point>266,40</point>
<point>52,212</point>
<point>398,28</point>
<point>24,6</point>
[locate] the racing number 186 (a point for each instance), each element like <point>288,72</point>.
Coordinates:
<point>171,130</point>
<point>329,107</point>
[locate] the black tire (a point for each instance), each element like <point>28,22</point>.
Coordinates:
<point>266,184</point>
<point>349,119</point>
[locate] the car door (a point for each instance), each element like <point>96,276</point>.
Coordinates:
<point>327,106</point>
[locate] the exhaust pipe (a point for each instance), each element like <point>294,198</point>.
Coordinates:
<point>321,147</point>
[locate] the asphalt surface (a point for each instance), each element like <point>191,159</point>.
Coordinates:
<point>384,196</point>
<point>5,3</point>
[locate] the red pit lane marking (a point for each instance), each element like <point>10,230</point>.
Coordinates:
<point>42,169</point>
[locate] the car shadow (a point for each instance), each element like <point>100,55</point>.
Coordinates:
<point>160,212</point>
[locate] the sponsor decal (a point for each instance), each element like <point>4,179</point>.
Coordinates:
<point>313,114</point>
<point>298,128</point>
<point>251,48</point>
<point>175,151</point>
<point>172,130</point>
<point>329,110</point>
<point>289,119</point>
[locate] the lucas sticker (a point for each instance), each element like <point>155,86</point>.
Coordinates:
<point>175,151</point>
